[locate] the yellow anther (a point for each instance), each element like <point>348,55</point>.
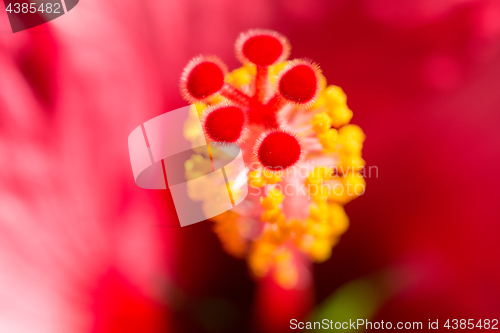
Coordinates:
<point>354,184</point>
<point>283,256</point>
<point>339,194</point>
<point>216,99</point>
<point>271,215</point>
<point>341,115</point>
<point>311,180</point>
<point>260,258</point>
<point>338,219</point>
<point>318,193</point>
<point>329,139</point>
<point>350,147</point>
<point>322,172</point>
<point>335,96</point>
<point>320,250</point>
<point>286,274</point>
<point>283,224</point>
<point>322,122</point>
<point>241,76</point>
<point>319,211</point>
<point>319,102</point>
<point>351,163</point>
<point>276,193</point>
<point>254,175</point>
<point>200,107</point>
<point>264,248</point>
<point>352,132</point>
<point>297,226</point>
<point>314,182</point>
<point>319,229</point>
<point>227,230</point>
<point>259,265</point>
<point>274,198</point>
<point>336,106</point>
<point>274,234</point>
<point>351,139</point>
<point>255,179</point>
<point>304,242</point>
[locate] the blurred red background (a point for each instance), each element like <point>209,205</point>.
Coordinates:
<point>83,249</point>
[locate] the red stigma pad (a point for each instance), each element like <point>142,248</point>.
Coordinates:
<point>299,84</point>
<point>205,79</point>
<point>262,50</point>
<point>279,151</point>
<point>224,124</point>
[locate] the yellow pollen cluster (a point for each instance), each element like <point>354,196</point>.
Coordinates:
<point>257,178</point>
<point>334,100</point>
<point>341,139</point>
<point>327,219</point>
<point>265,257</point>
<point>272,213</point>
<point>270,251</point>
<point>241,76</point>
<point>226,227</point>
<point>350,144</point>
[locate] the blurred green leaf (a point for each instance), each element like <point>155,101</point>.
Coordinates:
<point>361,298</point>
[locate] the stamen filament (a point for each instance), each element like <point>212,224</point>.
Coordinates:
<point>261,82</point>
<point>235,95</point>
<point>276,103</point>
